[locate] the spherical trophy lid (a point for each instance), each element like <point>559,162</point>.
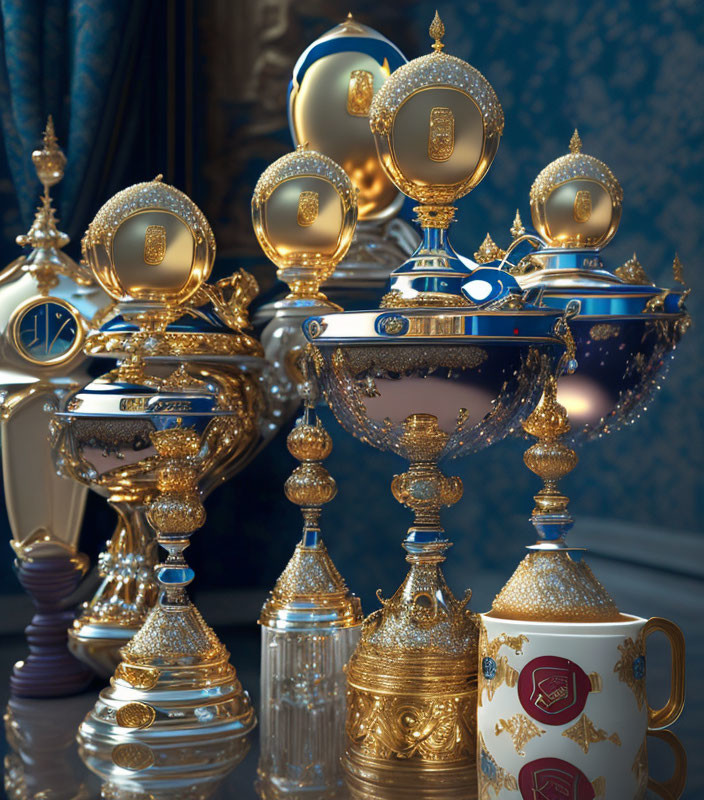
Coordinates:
<point>333,84</point>
<point>304,212</point>
<point>150,243</point>
<point>437,123</point>
<point>576,200</point>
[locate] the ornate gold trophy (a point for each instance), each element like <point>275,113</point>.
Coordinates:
<point>453,361</point>
<point>47,304</point>
<point>304,211</point>
<point>181,411</point>
<point>626,329</point>
<point>333,85</point>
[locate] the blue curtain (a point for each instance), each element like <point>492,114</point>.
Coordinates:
<point>68,58</point>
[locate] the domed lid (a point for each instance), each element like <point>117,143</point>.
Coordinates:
<point>576,200</point>
<point>333,84</point>
<point>304,212</point>
<point>437,123</point>
<point>150,243</point>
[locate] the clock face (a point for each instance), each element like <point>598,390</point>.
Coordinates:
<point>46,331</point>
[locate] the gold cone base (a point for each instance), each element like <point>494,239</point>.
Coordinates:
<point>412,681</point>
<point>175,683</point>
<point>550,586</point>
<point>310,592</point>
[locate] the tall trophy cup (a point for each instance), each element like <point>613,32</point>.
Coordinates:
<point>331,91</point>
<point>47,304</point>
<point>208,324</point>
<point>175,417</point>
<point>304,210</point>
<point>453,361</point>
<point>626,328</point>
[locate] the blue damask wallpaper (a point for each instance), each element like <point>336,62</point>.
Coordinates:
<point>197,89</point>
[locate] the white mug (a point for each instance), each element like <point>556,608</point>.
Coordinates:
<point>562,709</point>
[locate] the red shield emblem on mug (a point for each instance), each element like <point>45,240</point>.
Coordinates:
<point>553,779</point>
<point>553,690</point>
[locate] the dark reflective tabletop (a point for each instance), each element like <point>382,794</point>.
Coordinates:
<point>41,757</point>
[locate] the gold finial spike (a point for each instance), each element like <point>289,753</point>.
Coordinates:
<point>437,31</point>
<point>50,161</point>
<point>159,178</point>
<point>678,270</point>
<point>349,15</point>
<point>49,138</point>
<point>517,228</point>
<point>575,142</point>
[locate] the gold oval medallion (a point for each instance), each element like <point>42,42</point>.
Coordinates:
<point>137,677</point>
<point>132,756</point>
<point>135,715</point>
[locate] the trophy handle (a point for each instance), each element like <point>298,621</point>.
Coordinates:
<point>671,789</point>
<point>664,717</point>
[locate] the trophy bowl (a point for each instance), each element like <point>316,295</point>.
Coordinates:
<point>479,373</point>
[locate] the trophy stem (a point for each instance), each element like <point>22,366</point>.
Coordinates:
<point>549,584</point>
<point>551,459</point>
<point>50,670</point>
<point>125,596</point>
<point>423,487</point>
<point>175,678</point>
<point>310,627</point>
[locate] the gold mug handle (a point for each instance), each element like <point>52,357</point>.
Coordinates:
<point>671,789</point>
<point>659,718</point>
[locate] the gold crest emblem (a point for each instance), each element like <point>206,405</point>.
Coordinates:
<point>360,92</point>
<point>307,208</point>
<point>154,245</point>
<point>441,136</point>
<point>582,209</point>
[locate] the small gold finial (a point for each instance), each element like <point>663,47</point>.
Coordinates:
<point>678,270</point>
<point>633,272</point>
<point>488,251</point>
<point>50,161</point>
<point>49,138</point>
<point>437,31</point>
<point>517,228</point>
<point>159,178</point>
<point>349,15</point>
<point>575,142</point>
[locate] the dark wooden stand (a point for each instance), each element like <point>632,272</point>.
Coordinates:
<point>49,670</point>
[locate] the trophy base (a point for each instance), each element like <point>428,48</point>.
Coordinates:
<point>412,681</point>
<point>175,684</point>
<point>98,646</point>
<point>50,670</point>
<point>169,770</point>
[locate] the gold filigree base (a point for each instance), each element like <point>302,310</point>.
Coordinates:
<point>175,683</point>
<point>412,681</point>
